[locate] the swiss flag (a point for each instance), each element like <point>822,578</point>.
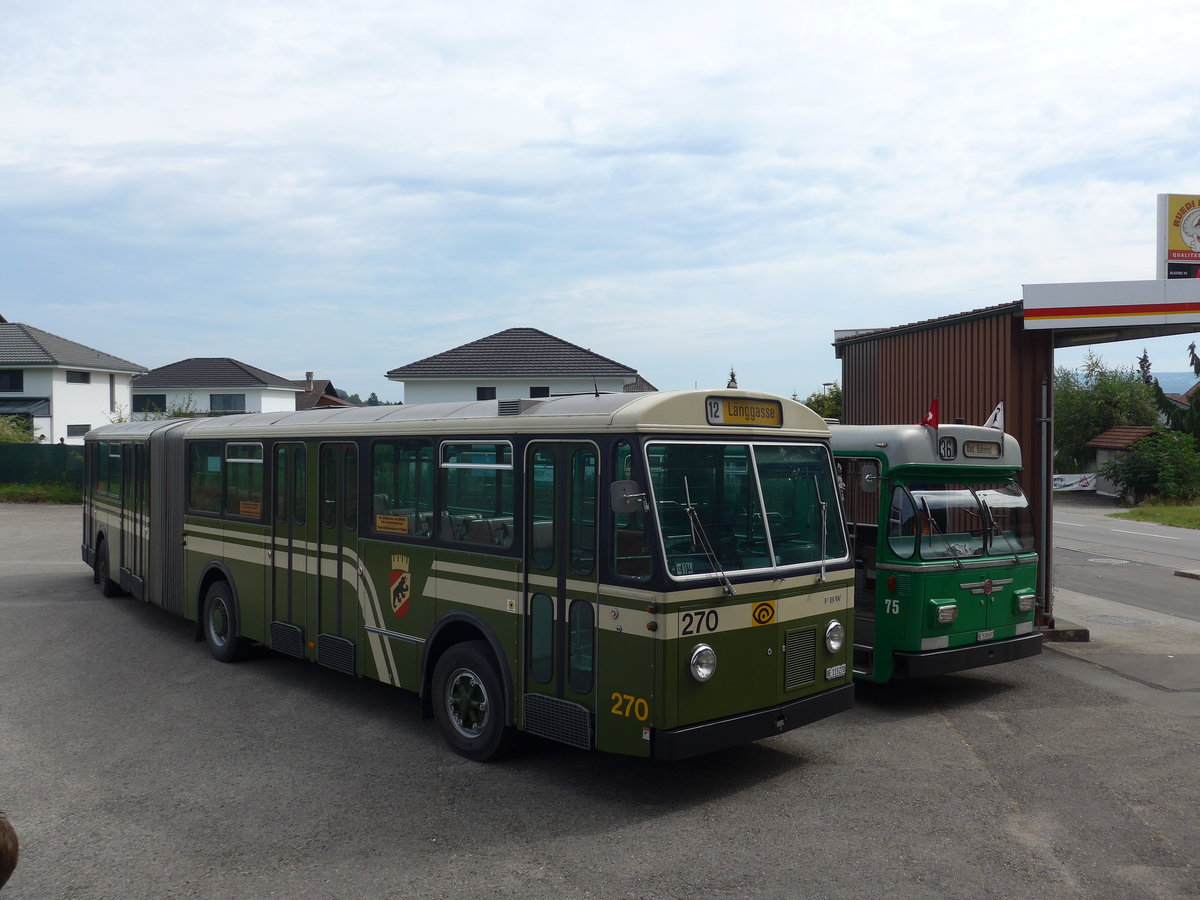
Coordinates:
<point>931,417</point>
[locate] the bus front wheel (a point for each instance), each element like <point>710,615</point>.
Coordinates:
<point>221,624</point>
<point>468,702</point>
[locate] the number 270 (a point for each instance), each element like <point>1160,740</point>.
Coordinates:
<point>628,705</point>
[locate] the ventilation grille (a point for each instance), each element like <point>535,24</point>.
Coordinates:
<point>517,406</point>
<point>903,586</point>
<point>558,720</point>
<point>336,653</point>
<point>801,658</point>
<point>287,639</point>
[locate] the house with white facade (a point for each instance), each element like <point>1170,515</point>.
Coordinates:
<point>63,389</point>
<point>211,386</point>
<point>519,362</point>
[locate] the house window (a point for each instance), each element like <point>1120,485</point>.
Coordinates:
<point>112,393</point>
<point>149,403</point>
<point>79,377</point>
<point>539,392</point>
<point>485,393</point>
<point>12,380</point>
<point>78,430</point>
<point>223,404</point>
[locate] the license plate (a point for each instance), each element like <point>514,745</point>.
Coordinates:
<point>986,635</point>
<point>835,672</point>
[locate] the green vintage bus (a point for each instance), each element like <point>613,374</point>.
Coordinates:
<point>943,543</point>
<point>659,574</point>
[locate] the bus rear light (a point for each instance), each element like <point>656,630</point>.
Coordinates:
<point>947,614</point>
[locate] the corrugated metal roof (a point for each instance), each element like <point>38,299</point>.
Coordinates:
<point>858,335</point>
<point>512,353</point>
<point>211,372</point>
<point>24,345</point>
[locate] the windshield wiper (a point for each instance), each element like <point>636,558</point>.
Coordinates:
<point>700,539</point>
<point>824,527</point>
<point>933,528</point>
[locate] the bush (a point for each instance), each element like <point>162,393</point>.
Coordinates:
<point>1164,465</point>
<point>15,430</point>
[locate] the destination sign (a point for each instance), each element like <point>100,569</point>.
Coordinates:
<point>981,449</point>
<point>744,411</point>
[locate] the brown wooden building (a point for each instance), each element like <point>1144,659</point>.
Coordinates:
<point>969,361</point>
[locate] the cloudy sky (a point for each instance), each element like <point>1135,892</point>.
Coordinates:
<point>682,187</point>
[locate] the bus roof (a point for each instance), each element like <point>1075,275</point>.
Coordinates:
<point>921,445</point>
<point>659,411</point>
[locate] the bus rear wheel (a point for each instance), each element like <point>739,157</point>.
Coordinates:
<point>220,623</point>
<point>468,702</point>
<point>108,587</point>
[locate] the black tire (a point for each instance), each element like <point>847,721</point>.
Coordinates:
<point>108,587</point>
<point>220,624</point>
<point>469,702</point>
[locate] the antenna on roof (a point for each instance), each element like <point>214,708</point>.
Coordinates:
<point>595,386</point>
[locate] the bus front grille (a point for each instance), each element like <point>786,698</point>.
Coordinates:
<point>558,720</point>
<point>801,665</point>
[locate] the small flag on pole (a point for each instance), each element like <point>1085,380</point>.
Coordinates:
<point>931,417</point>
<point>996,419</point>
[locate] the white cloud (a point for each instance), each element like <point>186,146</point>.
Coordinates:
<point>679,186</point>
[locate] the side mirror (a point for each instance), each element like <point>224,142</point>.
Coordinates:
<point>869,478</point>
<point>625,497</point>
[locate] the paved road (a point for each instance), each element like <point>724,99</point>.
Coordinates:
<point>1123,560</point>
<point>135,766</point>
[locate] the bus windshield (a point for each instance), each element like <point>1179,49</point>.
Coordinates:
<point>726,507</point>
<point>942,521</point>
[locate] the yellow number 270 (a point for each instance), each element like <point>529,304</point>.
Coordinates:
<point>628,705</point>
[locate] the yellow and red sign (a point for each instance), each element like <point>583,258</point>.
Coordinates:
<point>1183,227</point>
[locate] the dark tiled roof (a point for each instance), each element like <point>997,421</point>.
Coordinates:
<point>1120,438</point>
<point>323,394</point>
<point>210,372</point>
<point>513,353</point>
<point>24,345</point>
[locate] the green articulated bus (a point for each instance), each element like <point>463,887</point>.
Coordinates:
<point>658,574</point>
<point>943,543</point>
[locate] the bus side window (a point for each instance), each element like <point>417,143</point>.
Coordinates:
<point>903,527</point>
<point>205,476</point>
<point>630,549</point>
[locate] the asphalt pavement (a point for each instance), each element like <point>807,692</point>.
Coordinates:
<point>135,766</point>
<point>1150,647</point>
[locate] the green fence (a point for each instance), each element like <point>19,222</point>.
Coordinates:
<point>41,464</point>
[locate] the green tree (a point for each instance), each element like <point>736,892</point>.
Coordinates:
<point>1185,419</point>
<point>15,430</point>
<point>1165,465</point>
<point>826,404</point>
<point>1091,400</point>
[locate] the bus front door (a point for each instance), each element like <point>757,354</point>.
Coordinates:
<point>290,556</point>
<point>559,691</point>
<point>335,618</point>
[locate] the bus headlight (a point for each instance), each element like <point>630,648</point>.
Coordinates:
<point>947,613</point>
<point>1025,602</point>
<point>703,662</point>
<point>835,636</point>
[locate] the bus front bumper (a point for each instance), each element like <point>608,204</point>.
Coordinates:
<point>955,659</point>
<point>719,734</point>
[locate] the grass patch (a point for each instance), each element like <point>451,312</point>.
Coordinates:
<point>40,493</point>
<point>1163,514</point>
